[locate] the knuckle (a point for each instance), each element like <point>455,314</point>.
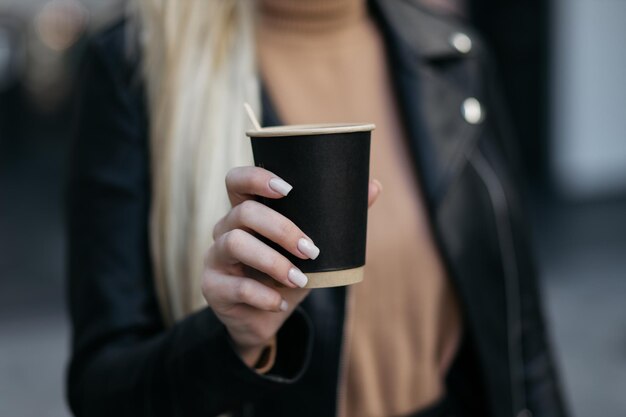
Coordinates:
<point>244,291</point>
<point>232,240</point>
<point>229,176</point>
<point>282,267</point>
<point>246,211</point>
<point>275,302</point>
<point>286,229</point>
<point>216,228</point>
<point>206,284</point>
<point>259,179</point>
<point>232,173</point>
<point>275,264</point>
<point>210,257</point>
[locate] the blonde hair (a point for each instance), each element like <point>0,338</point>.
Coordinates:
<point>199,67</point>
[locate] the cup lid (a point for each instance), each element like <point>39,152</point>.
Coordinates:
<point>313,129</point>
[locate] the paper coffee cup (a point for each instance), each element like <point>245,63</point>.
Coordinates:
<point>328,167</point>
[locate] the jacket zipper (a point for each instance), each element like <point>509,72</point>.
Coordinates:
<point>345,346</point>
<point>501,210</point>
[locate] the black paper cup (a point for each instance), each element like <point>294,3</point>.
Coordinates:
<point>328,167</point>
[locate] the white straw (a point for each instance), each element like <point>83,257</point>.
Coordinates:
<point>252,116</point>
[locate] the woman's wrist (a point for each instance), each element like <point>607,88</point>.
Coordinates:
<point>259,358</point>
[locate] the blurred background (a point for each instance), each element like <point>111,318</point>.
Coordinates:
<point>562,66</point>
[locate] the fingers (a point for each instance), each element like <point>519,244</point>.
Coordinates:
<point>243,183</point>
<point>375,188</point>
<point>252,215</point>
<point>223,291</point>
<point>239,246</point>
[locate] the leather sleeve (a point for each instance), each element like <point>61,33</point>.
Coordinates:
<point>124,362</point>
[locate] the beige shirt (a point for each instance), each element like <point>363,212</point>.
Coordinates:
<point>324,61</point>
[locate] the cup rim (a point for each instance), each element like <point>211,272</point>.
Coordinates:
<point>311,129</point>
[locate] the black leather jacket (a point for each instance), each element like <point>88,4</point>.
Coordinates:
<point>126,363</point>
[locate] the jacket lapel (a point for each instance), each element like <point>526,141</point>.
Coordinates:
<point>423,63</point>
<point>433,80</point>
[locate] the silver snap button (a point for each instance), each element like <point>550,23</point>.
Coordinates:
<point>461,42</point>
<point>525,413</point>
<point>472,111</point>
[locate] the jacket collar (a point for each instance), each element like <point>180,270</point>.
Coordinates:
<point>433,78</point>
<point>430,36</point>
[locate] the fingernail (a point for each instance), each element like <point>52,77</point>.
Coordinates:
<point>280,186</point>
<point>297,278</point>
<point>284,306</point>
<point>308,248</point>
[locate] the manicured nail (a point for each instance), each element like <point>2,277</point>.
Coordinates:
<point>280,186</point>
<point>284,306</point>
<point>308,248</point>
<point>297,278</point>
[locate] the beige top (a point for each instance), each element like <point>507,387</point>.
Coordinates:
<point>324,61</point>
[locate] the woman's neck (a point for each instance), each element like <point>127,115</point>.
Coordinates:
<point>311,15</point>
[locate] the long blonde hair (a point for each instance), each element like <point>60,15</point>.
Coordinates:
<point>199,67</point>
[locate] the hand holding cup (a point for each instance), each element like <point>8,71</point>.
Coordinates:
<point>250,286</point>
